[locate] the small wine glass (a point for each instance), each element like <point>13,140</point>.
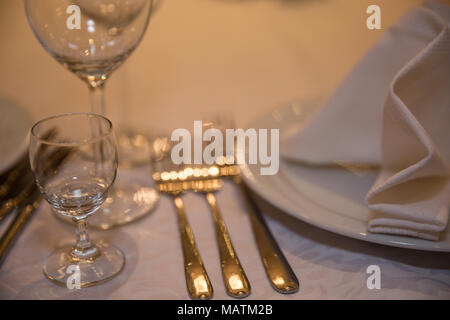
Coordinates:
<point>76,188</point>
<point>92,38</point>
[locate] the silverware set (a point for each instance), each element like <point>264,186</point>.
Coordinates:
<point>174,180</point>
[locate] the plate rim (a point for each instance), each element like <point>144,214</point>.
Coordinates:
<point>9,106</point>
<point>15,156</point>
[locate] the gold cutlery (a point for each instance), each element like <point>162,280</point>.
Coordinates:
<point>197,279</point>
<point>199,179</point>
<point>278,270</point>
<point>18,223</point>
<point>281,276</point>
<point>234,277</point>
<point>12,203</point>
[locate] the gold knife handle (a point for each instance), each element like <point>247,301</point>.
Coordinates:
<point>16,226</point>
<point>17,201</point>
<point>12,178</point>
<point>197,280</point>
<point>234,277</point>
<point>277,268</point>
<point>26,203</point>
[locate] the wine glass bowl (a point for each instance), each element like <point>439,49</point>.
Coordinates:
<point>76,188</point>
<point>113,13</point>
<point>109,31</point>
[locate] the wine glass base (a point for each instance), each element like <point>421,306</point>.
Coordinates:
<point>63,270</point>
<point>128,202</point>
<point>134,148</point>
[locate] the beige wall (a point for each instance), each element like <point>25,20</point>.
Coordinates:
<point>202,57</point>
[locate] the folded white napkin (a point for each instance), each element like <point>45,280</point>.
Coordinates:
<point>393,110</point>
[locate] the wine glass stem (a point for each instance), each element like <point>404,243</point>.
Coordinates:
<point>97,98</point>
<point>83,248</point>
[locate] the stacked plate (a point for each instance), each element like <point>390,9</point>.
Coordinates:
<point>15,123</point>
<point>331,198</point>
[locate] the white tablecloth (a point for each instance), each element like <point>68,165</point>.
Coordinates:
<point>328,266</point>
<point>200,58</point>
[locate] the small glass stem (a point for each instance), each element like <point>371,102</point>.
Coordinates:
<point>97,98</point>
<point>83,240</point>
<point>83,248</point>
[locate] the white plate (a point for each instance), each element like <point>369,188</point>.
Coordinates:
<point>15,123</point>
<point>328,198</point>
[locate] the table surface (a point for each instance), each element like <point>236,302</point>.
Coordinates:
<point>201,58</point>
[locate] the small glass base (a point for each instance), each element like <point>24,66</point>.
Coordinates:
<point>65,270</point>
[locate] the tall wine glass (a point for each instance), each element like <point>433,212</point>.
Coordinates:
<point>76,187</point>
<point>92,38</point>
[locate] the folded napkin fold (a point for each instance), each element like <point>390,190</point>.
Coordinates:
<point>393,111</point>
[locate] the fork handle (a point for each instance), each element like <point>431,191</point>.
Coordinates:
<point>197,280</point>
<point>278,270</point>
<point>234,277</point>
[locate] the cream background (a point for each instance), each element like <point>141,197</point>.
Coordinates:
<point>202,57</point>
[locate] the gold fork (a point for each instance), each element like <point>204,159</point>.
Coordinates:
<point>197,280</point>
<point>234,277</point>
